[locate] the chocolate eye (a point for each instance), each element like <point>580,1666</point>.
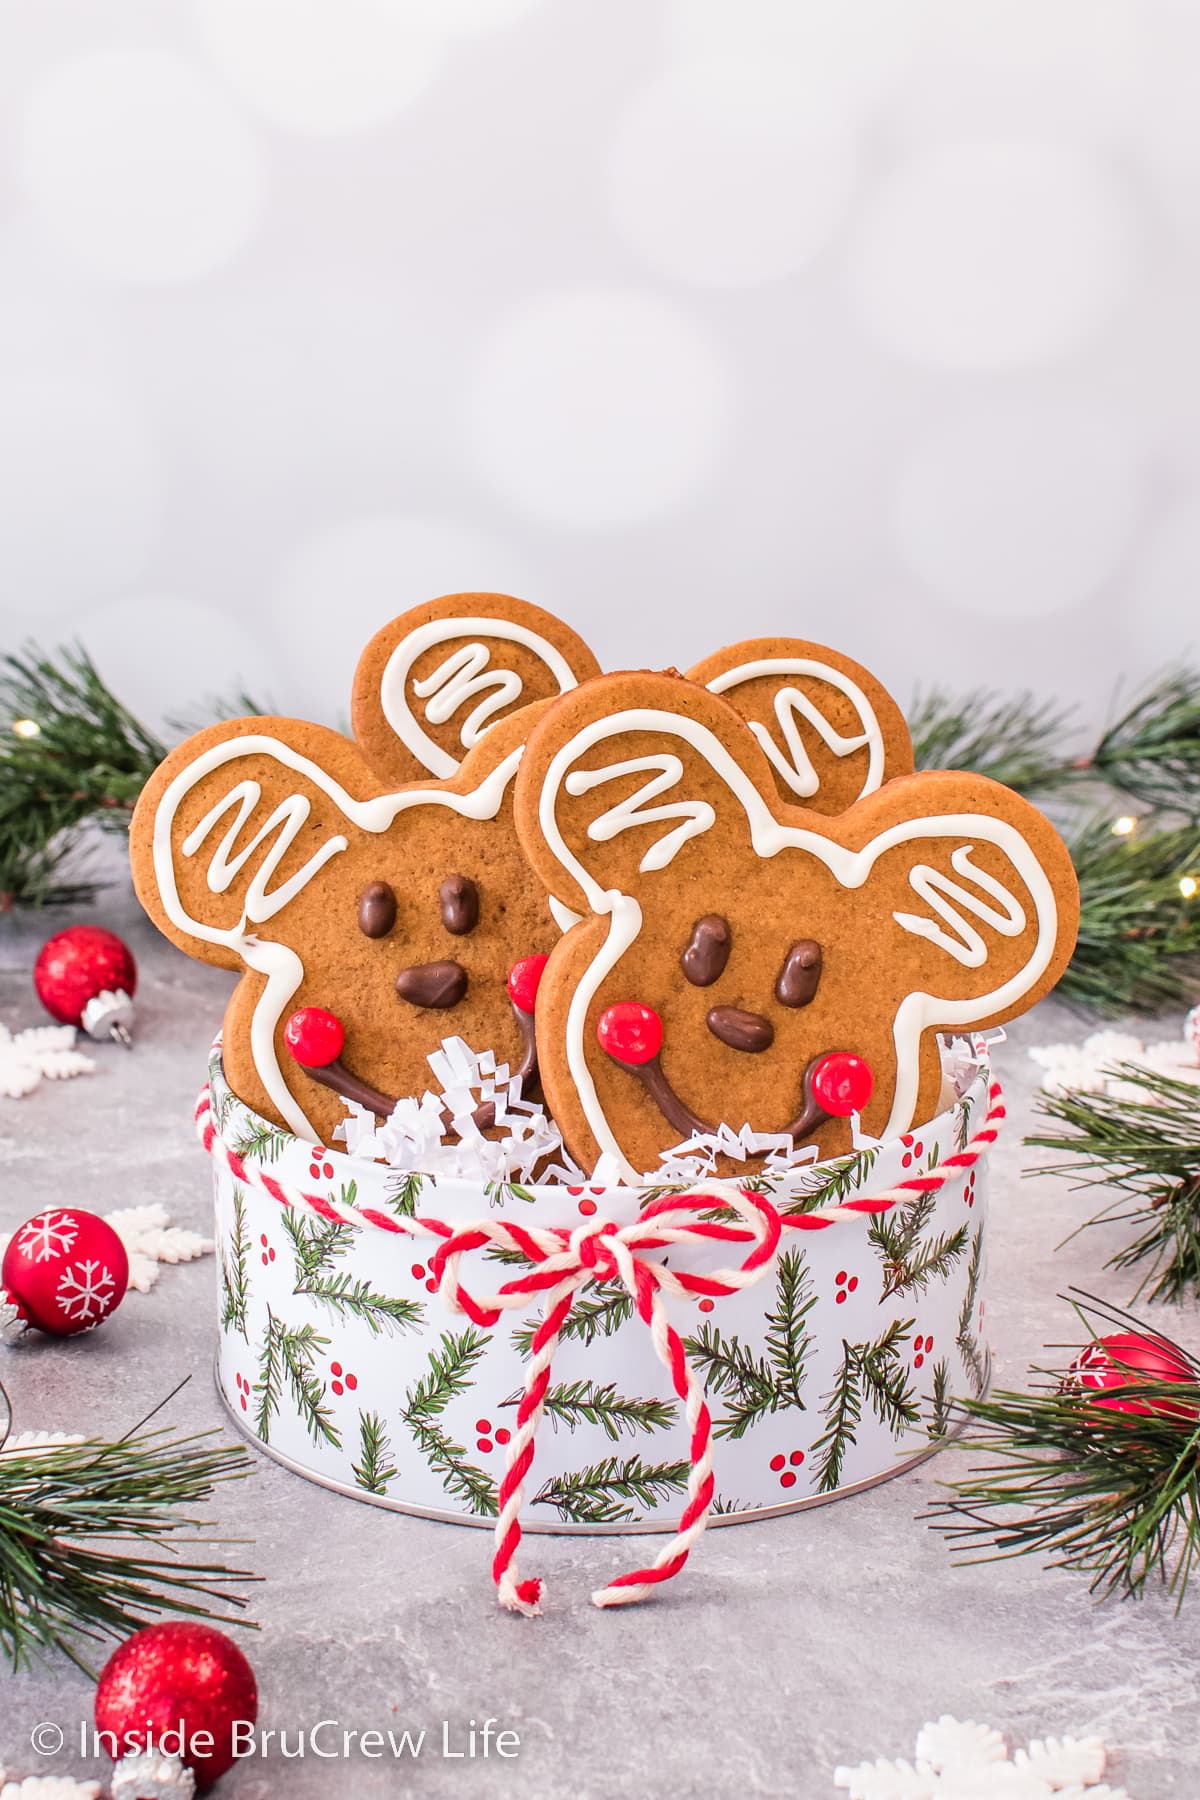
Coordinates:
<point>458,902</point>
<point>376,910</point>
<point>708,950</point>
<point>800,974</point>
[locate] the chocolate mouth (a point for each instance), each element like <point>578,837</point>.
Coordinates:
<point>344,1082</point>
<point>687,1123</point>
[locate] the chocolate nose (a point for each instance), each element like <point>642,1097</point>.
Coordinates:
<point>439,984</point>
<point>741,1030</point>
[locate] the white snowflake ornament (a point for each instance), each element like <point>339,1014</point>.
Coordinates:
<point>44,1052</point>
<point>960,1760</point>
<point>50,1787</point>
<point>25,1441</point>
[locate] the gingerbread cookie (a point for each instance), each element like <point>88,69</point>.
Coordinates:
<point>742,961</point>
<point>434,680</point>
<point>368,924</point>
<point>829,729</point>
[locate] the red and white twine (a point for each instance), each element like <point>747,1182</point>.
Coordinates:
<point>564,1261</point>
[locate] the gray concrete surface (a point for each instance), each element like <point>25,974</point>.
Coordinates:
<point>788,1647</point>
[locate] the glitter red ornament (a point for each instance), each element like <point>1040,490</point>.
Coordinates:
<point>172,1678</point>
<point>842,1084</point>
<point>86,976</point>
<point>524,979</point>
<point>630,1032</point>
<point>314,1037</point>
<point>65,1270</point>
<point>1124,1358</point>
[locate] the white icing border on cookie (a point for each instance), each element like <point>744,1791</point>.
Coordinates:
<point>917,1012</point>
<point>798,772</point>
<point>281,965</point>
<point>458,680</point>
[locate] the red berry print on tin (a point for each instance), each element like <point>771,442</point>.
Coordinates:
<point>846,1284</point>
<point>488,1439</point>
<point>914,1150</point>
<point>268,1250</point>
<point>785,1467</point>
<point>343,1382</point>
<point>921,1348</point>
<point>421,1273</point>
<point>587,1205</point>
<point>318,1166</point>
<point>243,1390</point>
<point>969,1189</point>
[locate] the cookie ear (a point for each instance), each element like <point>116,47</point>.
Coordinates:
<point>971,899</point>
<point>236,827</point>
<point>630,775</point>
<point>430,683</point>
<point>831,732</point>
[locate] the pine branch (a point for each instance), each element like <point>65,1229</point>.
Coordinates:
<point>598,1317</point>
<point>1139,937</point>
<point>930,1262</point>
<point>1113,1495</point>
<point>747,1385</point>
<point>315,1242</point>
<point>1017,740</point>
<point>939,1425</point>
<point>1148,1151</point>
<point>235,1278</point>
<point>875,1372</point>
<point>451,1372</point>
<point>260,1142</point>
<point>461,1479</point>
<point>969,1347</point>
<point>787,1342</point>
<point>373,1471</point>
<point>843,1415</point>
<point>403,1193</point>
<point>1152,752</point>
<point>70,1518</point>
<point>346,1297</point>
<point>600,1404</point>
<point>838,1178</point>
<point>500,1192</point>
<point>605,1493</point>
<point>288,1354</point>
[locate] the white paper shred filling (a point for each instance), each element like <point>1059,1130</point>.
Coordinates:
<point>415,1137</point>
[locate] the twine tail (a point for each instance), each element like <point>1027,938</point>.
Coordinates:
<point>514,1594</point>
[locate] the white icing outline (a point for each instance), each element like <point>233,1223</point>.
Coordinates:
<point>282,967</point>
<point>799,773</point>
<point>917,1012</point>
<point>458,680</point>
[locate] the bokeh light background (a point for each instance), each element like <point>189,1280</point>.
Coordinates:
<point>868,320</point>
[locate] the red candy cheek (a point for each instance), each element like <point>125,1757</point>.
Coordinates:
<point>630,1032</point>
<point>842,1083</point>
<point>524,979</point>
<point>314,1037</point>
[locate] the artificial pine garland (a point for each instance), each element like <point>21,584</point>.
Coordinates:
<point>1147,1149</point>
<point>1106,1483</point>
<point>69,1514</point>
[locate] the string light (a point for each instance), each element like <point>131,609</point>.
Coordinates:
<point>26,728</point>
<point>1189,886</point>
<point>1125,826</point>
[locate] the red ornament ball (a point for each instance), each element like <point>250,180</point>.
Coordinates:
<point>174,1675</point>
<point>66,1269</point>
<point>842,1084</point>
<point>524,979</point>
<point>314,1037</point>
<point>630,1032</point>
<point>77,964</point>
<point>1126,1357</point>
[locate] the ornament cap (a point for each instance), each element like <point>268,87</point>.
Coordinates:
<point>14,1322</point>
<point>109,1014</point>
<point>148,1775</point>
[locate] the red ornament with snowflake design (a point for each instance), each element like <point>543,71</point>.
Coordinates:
<point>65,1270</point>
<point>1121,1360</point>
<point>86,976</point>
<point>179,1676</point>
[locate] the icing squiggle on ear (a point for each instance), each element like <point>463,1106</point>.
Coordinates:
<point>280,965</point>
<point>457,681</point>
<point>966,947</point>
<point>697,815</point>
<point>793,763</point>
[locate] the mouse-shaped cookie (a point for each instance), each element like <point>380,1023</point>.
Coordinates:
<point>742,961</point>
<point>831,732</point>
<point>370,918</point>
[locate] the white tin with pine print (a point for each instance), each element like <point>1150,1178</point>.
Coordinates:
<point>830,1374</point>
